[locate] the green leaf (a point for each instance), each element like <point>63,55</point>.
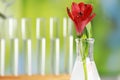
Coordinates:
<point>88,27</point>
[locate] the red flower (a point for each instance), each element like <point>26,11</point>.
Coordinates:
<point>81,14</point>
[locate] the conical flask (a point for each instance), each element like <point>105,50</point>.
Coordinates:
<point>85,68</point>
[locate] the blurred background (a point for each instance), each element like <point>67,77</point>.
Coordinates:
<point>105,28</point>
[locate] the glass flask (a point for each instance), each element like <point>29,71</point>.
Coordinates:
<point>84,68</point>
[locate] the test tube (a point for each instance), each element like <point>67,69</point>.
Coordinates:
<point>12,24</point>
<point>2,57</point>
<point>14,46</point>
<point>54,27</point>
<point>40,28</point>
<point>57,59</point>
<point>65,45</point>
<point>2,28</point>
<point>64,27</point>
<point>14,56</point>
<point>41,45</point>
<point>70,33</point>
<point>70,54</point>
<point>29,57</point>
<point>70,27</point>
<point>2,46</point>
<point>54,45</point>
<point>43,56</point>
<point>26,28</point>
<point>68,45</point>
<point>27,46</point>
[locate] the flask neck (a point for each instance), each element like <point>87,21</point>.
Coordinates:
<point>84,48</point>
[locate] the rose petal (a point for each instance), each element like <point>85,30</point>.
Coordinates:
<point>90,18</point>
<point>75,9</point>
<point>88,11</point>
<point>76,22</point>
<point>69,14</point>
<point>82,7</point>
<point>82,26</point>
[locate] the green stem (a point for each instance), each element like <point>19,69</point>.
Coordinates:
<point>85,69</point>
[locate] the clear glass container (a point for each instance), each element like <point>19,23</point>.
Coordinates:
<point>67,54</point>
<point>41,46</point>
<point>2,57</point>
<point>26,56</point>
<point>54,46</point>
<point>2,45</point>
<point>13,33</point>
<point>85,68</point>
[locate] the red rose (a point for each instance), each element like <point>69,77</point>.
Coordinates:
<point>81,14</point>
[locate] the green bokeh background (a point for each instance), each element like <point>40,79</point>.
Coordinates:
<point>101,26</point>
